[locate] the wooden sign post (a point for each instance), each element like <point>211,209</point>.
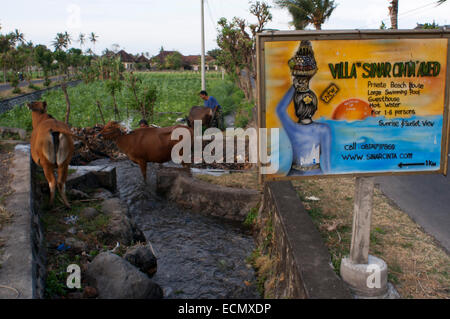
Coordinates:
<point>359,249</point>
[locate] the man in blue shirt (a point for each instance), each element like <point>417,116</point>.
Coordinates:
<point>212,103</point>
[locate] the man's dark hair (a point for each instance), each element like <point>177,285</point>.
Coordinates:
<point>143,122</point>
<point>203,93</point>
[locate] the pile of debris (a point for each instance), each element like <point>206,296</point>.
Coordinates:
<point>90,147</point>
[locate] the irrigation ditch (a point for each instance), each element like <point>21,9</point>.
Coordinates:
<point>173,236</point>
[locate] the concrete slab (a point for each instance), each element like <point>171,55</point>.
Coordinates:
<point>16,273</point>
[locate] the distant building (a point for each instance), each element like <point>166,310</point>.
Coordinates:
<point>127,60</point>
<point>189,62</point>
<point>142,59</point>
<point>193,62</point>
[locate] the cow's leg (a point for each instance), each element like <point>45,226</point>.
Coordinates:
<point>50,176</point>
<point>143,166</point>
<point>62,177</point>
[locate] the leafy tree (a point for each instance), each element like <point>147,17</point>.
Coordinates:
<point>237,43</point>
<point>174,61</point>
<point>306,12</point>
<point>114,86</point>
<point>44,57</point>
<point>214,53</point>
<point>144,96</point>
<point>6,44</point>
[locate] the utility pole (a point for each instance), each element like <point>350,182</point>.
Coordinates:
<point>203,46</point>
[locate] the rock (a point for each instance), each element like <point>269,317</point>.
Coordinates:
<point>76,194</point>
<point>89,213</point>
<point>78,246</point>
<point>120,228</point>
<point>102,193</point>
<point>90,292</point>
<point>143,258</point>
<point>115,278</point>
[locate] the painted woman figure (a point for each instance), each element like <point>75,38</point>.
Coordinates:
<point>311,141</point>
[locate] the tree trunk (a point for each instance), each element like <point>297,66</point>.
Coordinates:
<point>64,89</point>
<point>393,13</point>
<point>101,113</point>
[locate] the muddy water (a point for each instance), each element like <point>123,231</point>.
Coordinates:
<point>198,256</point>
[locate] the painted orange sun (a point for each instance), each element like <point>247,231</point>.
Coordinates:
<point>352,110</point>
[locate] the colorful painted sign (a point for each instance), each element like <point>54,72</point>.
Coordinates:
<point>356,106</point>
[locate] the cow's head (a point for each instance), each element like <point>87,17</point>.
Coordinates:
<point>111,131</point>
<point>38,106</point>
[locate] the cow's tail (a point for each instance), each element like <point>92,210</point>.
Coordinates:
<point>55,139</point>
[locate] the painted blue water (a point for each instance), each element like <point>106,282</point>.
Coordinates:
<point>376,145</point>
<point>367,146</point>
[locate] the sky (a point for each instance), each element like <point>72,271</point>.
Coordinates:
<point>146,25</point>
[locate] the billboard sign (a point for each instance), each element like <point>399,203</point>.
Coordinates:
<point>355,103</point>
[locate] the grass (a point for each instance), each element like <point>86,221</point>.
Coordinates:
<point>416,263</point>
<point>251,217</point>
<point>245,180</point>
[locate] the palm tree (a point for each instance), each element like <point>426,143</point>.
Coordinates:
<point>82,40</point>
<point>93,38</point>
<point>67,38</point>
<point>62,40</point>
<point>299,18</point>
<point>393,14</point>
<point>305,12</point>
<point>17,36</point>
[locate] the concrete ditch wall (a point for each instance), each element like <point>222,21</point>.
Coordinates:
<point>22,238</point>
<point>302,262</point>
<point>205,198</point>
<point>8,104</point>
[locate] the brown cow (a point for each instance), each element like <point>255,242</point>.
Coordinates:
<point>51,148</point>
<point>144,145</point>
<point>200,113</point>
